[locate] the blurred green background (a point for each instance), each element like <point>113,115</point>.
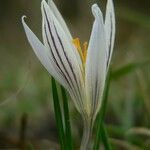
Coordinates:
<point>26,109</point>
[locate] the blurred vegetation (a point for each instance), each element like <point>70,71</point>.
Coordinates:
<point>26,110</point>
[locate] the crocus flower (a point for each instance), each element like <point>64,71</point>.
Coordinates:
<point>80,69</point>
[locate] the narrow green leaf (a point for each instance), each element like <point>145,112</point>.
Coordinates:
<point>128,69</point>
<point>30,146</point>
<point>58,116</point>
<point>101,115</point>
<point>116,131</point>
<point>67,120</point>
<point>134,16</point>
<point>104,137</point>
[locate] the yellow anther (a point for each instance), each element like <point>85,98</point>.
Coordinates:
<point>85,46</point>
<point>82,52</point>
<point>76,42</point>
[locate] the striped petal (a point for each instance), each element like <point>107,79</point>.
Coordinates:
<point>59,17</point>
<point>61,51</point>
<point>62,23</point>
<point>110,29</point>
<point>41,52</point>
<point>95,71</point>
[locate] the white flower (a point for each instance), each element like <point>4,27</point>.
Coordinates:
<point>82,71</point>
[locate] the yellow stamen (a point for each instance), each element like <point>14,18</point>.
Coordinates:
<point>76,42</point>
<point>82,52</point>
<point>85,46</point>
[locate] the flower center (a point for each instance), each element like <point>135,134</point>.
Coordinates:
<point>81,50</point>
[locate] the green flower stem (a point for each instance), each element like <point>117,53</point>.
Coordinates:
<point>104,137</point>
<point>58,116</point>
<point>101,115</point>
<point>67,120</point>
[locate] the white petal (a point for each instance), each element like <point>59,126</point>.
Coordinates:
<point>42,54</point>
<point>96,63</point>
<point>54,16</point>
<point>62,53</point>
<point>63,24</point>
<point>59,17</point>
<point>110,29</point>
<point>45,58</point>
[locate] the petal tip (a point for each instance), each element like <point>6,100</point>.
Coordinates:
<point>43,2</point>
<point>94,6</point>
<point>23,18</point>
<point>96,10</point>
<point>44,5</point>
<point>110,5</point>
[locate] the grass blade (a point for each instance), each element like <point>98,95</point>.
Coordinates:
<point>67,120</point>
<point>101,115</point>
<point>126,69</point>
<point>104,137</point>
<point>58,116</point>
